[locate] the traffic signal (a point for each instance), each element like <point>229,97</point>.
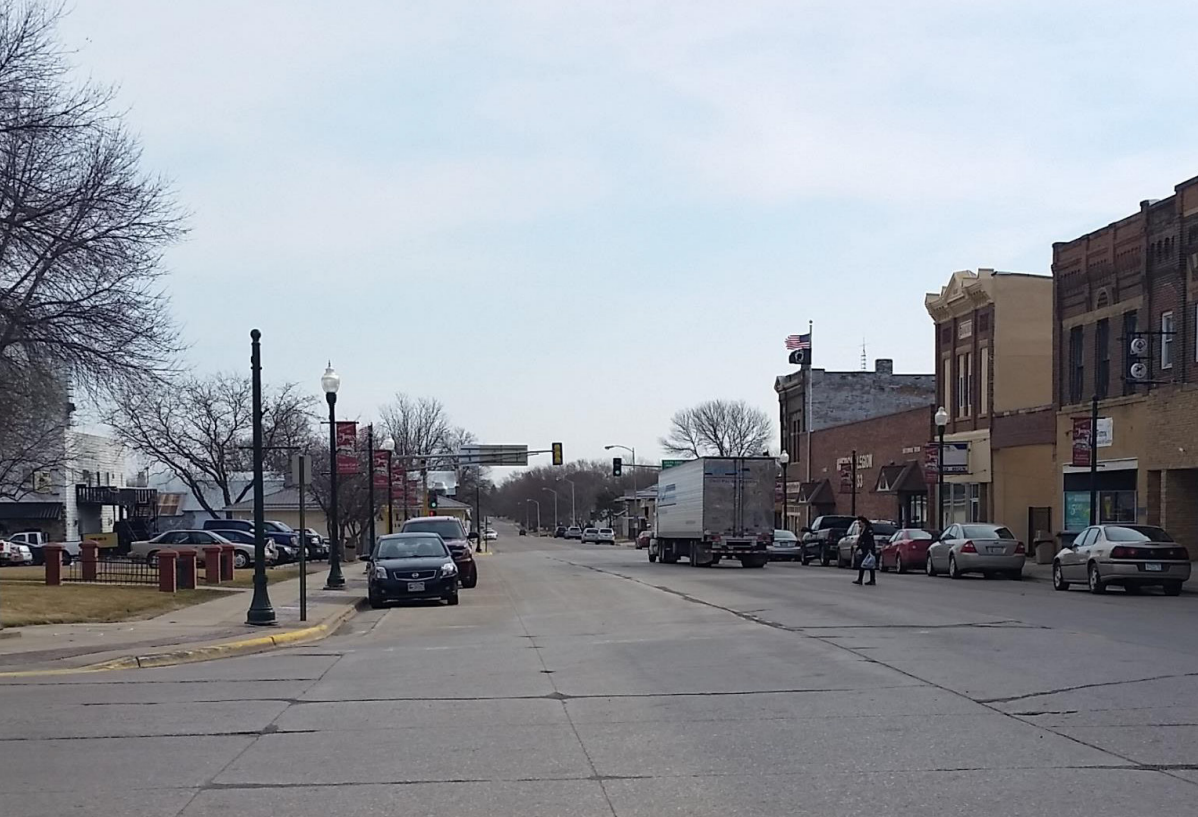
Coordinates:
<point>432,501</point>
<point>557,453</point>
<point>617,466</point>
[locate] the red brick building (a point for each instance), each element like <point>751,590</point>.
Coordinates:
<point>889,474</point>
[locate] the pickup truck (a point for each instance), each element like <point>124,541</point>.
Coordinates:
<point>36,540</point>
<point>821,540</point>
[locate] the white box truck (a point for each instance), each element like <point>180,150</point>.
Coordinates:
<point>715,508</point>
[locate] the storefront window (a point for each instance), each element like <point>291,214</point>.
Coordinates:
<point>1113,507</point>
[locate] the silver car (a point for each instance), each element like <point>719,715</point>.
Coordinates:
<point>977,547</point>
<point>1133,556</point>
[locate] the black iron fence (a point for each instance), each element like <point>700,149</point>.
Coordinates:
<point>112,570</point>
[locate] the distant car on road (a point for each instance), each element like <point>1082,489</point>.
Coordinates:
<point>559,532</point>
<point>883,530</point>
<point>523,532</point>
<point>906,550</point>
<point>1132,556</point>
<point>409,566</point>
<point>643,539</point>
<point>978,547</point>
<point>15,555</point>
<point>574,532</point>
<point>784,548</point>
<point>490,535</point>
<point>590,535</point>
<point>821,539</point>
<point>606,536</point>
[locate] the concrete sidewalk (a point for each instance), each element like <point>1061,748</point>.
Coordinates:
<point>202,631</point>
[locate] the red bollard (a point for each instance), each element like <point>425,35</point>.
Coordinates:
<point>226,562</point>
<point>53,555</point>
<point>212,564</point>
<point>187,569</point>
<point>89,554</point>
<point>166,571</point>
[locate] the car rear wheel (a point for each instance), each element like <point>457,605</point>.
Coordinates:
<point>899,567</point>
<point>953,571</point>
<point>241,560</point>
<point>152,558</point>
<point>1058,577</point>
<point>1173,589</point>
<point>1097,586</point>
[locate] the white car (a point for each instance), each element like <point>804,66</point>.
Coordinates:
<point>490,535</point>
<point>13,554</point>
<point>243,555</point>
<point>607,536</point>
<point>590,535</point>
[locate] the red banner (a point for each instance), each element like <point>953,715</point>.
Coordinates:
<point>1081,442</point>
<point>380,470</point>
<point>347,448</point>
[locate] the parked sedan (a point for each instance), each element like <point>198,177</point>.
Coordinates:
<point>976,548</point>
<point>906,550</point>
<point>409,566</point>
<point>784,548</point>
<point>490,535</point>
<point>574,532</point>
<point>590,535</point>
<point>1133,556</point>
<point>883,530</point>
<point>643,538</point>
<point>284,554</point>
<point>243,555</point>
<point>606,536</point>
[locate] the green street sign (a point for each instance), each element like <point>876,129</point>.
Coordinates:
<point>671,463</point>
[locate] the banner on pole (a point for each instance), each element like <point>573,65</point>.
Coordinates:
<point>347,448</point>
<point>380,470</point>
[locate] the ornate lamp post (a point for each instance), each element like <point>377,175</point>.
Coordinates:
<point>330,382</point>
<point>784,460</point>
<point>388,445</point>
<point>941,422</point>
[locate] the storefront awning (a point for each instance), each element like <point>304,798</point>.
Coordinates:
<point>816,493</point>
<point>41,511</point>
<point>905,478</point>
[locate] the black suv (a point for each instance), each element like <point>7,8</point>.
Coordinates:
<point>820,541</point>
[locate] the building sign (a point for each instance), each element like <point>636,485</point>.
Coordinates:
<point>956,459</point>
<point>347,448</point>
<point>1081,438</point>
<point>965,329</point>
<point>913,449</point>
<point>863,461</point>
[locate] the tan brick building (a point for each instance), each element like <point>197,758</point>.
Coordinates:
<point>994,378</point>
<point>1133,278</point>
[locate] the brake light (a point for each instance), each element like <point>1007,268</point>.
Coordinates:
<point>1180,554</point>
<point>715,538</point>
<point>1019,548</point>
<point>1122,553</point>
<point>968,548</point>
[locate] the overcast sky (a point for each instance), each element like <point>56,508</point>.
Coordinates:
<point>568,219</point>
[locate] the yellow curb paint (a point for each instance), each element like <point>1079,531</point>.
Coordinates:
<point>225,649</point>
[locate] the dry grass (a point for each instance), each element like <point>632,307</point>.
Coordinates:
<point>245,578</point>
<point>24,603</point>
<point>28,573</point>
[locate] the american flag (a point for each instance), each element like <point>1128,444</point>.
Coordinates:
<point>798,341</point>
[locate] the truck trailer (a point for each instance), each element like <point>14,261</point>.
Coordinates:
<point>715,508</point>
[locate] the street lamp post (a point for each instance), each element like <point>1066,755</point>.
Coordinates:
<point>388,445</point>
<point>261,611</point>
<point>941,422</point>
<point>550,490</point>
<point>372,534</point>
<point>573,512</point>
<point>784,460</point>
<point>331,382</point>
<point>636,502</point>
<point>538,504</point>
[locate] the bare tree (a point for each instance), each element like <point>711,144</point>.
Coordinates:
<point>201,429</point>
<point>82,227</point>
<point>33,434</point>
<point>718,428</point>
<point>419,425</point>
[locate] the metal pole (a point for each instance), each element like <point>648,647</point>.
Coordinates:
<point>260,611</point>
<point>370,470</point>
<point>478,511</point>
<point>303,554</point>
<point>1094,460</point>
<point>405,489</point>
<point>573,511</point>
<point>853,480</point>
<point>335,580</point>
<point>390,494</point>
<point>785,507</point>
<point>636,501</point>
<point>940,482</point>
<point>424,484</point>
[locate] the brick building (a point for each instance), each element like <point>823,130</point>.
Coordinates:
<point>1133,278</point>
<point>837,399</point>
<point>889,475</point>
<point>994,378</point>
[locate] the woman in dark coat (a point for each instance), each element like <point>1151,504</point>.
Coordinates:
<point>865,548</point>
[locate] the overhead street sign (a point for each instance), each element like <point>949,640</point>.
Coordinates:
<point>493,455</point>
<point>671,463</point>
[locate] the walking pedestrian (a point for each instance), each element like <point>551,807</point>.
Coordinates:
<point>865,555</point>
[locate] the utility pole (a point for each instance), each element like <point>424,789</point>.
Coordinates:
<point>853,479</point>
<point>1094,460</point>
<point>261,611</point>
<point>370,470</point>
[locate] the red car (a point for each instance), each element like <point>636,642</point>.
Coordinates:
<point>906,550</point>
<point>642,540</point>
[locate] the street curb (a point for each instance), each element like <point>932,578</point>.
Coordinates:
<point>225,649</point>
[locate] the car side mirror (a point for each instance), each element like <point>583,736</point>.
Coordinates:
<point>473,535</point>
<point>804,529</point>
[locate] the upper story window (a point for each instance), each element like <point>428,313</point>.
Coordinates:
<point>1102,358</point>
<point>964,384</point>
<point>1077,366</point>
<point>1166,340</point>
<point>965,329</point>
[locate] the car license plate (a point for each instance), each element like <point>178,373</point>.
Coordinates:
<point>998,550</point>
<point>1152,565</point>
<point>415,587</point>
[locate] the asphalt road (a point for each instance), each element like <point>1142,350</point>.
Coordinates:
<point>585,681</point>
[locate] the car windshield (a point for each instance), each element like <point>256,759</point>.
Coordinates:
<point>281,527</point>
<point>1137,533</point>
<point>605,531</point>
<point>411,547</point>
<point>884,528</point>
<point>784,535</point>
<point>986,532</point>
<point>918,535</point>
<point>445,528</point>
